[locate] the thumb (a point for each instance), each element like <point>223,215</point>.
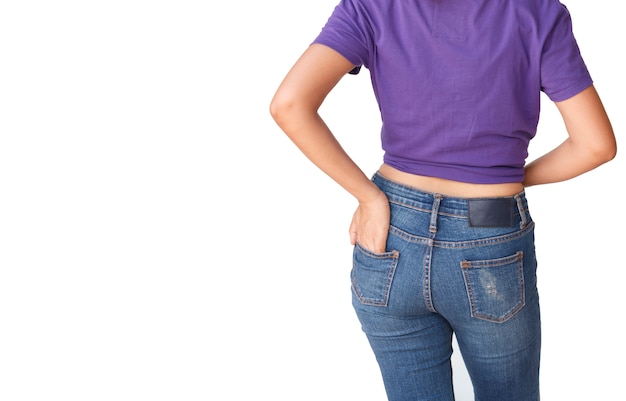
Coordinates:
<point>353,233</point>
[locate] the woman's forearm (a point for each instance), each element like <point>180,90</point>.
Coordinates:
<point>567,161</point>
<point>308,131</point>
<point>590,142</point>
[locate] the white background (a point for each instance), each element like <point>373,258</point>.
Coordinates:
<point>161,239</point>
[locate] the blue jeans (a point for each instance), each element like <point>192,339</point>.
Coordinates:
<point>441,275</point>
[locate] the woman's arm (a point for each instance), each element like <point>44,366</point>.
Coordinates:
<point>590,142</point>
<point>295,109</point>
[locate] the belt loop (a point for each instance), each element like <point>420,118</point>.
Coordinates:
<point>522,212</point>
<point>434,213</point>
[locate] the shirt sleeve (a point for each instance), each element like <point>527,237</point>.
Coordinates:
<point>346,32</point>
<point>563,70</point>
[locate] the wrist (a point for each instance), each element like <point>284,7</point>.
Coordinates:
<point>373,195</point>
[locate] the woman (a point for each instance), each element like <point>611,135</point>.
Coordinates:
<point>443,238</point>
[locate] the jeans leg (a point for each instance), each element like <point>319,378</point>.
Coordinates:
<point>499,337</point>
<point>413,354</point>
<point>412,344</point>
<point>503,358</point>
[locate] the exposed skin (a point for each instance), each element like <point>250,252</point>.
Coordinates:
<point>294,107</point>
<point>590,143</point>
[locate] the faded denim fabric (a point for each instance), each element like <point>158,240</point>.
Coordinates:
<point>439,277</point>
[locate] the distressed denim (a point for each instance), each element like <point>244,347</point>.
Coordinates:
<point>439,277</point>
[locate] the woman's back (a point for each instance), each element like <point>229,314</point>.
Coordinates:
<point>458,82</point>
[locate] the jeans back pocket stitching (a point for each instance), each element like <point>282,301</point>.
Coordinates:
<point>393,256</point>
<point>467,265</point>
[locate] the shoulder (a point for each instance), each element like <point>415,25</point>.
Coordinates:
<point>369,7</point>
<point>542,16</point>
<point>542,9</point>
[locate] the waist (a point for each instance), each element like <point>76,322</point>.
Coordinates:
<point>449,187</point>
<point>498,211</point>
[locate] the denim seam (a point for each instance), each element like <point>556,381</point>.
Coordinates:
<point>462,244</point>
<point>434,217</point>
<point>520,210</point>
<point>419,209</point>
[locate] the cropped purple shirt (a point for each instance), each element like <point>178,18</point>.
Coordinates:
<point>458,82</point>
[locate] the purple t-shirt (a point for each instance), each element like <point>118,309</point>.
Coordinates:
<point>458,82</point>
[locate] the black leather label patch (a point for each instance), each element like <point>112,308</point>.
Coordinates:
<point>491,212</point>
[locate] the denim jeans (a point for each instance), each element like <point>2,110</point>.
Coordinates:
<point>442,276</point>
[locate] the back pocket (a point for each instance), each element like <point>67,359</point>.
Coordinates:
<point>495,287</point>
<point>372,274</point>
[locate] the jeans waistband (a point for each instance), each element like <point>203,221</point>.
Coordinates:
<point>482,212</point>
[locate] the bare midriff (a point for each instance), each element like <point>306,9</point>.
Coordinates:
<point>450,187</point>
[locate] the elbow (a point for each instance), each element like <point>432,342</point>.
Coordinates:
<point>613,151</point>
<point>604,151</point>
<point>610,155</point>
<point>282,109</point>
<point>290,111</point>
<point>279,108</point>
<point>609,149</point>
